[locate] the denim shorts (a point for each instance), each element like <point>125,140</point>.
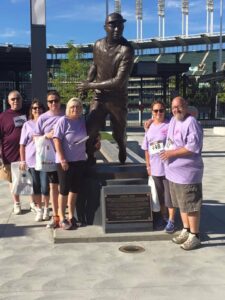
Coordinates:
<point>40,182</point>
<point>188,197</point>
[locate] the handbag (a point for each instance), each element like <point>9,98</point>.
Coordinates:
<point>155,198</point>
<point>4,171</point>
<point>22,181</point>
<point>45,155</point>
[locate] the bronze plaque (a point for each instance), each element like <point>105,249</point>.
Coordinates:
<point>124,208</point>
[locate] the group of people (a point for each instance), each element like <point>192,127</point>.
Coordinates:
<point>172,152</point>
<point>173,159</point>
<point>172,149</point>
<point>68,134</point>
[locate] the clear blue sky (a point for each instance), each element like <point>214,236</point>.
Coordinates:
<point>82,20</point>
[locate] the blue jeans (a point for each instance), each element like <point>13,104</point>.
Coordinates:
<point>40,182</point>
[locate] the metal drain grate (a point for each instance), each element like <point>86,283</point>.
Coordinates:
<point>132,249</point>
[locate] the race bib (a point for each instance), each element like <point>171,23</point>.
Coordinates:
<point>19,120</point>
<point>156,147</point>
<point>169,144</point>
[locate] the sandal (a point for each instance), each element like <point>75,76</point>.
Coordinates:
<point>65,225</point>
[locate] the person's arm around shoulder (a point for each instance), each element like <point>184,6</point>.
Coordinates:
<point>147,124</point>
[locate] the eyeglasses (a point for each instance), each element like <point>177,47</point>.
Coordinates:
<point>53,101</point>
<point>15,98</point>
<point>75,106</point>
<point>177,107</point>
<point>158,110</point>
<point>36,107</point>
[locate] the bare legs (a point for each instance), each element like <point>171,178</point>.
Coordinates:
<point>172,212</point>
<point>54,192</point>
<point>69,200</point>
<point>191,220</point>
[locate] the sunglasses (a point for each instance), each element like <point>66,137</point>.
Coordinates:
<point>76,106</point>
<point>53,101</point>
<point>158,110</point>
<point>14,99</point>
<point>36,107</point>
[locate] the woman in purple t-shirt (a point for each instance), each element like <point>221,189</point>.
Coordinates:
<point>27,158</point>
<point>70,137</point>
<point>153,143</point>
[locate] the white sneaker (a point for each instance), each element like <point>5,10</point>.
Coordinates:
<point>46,216</point>
<point>39,215</point>
<point>191,243</point>
<point>17,208</point>
<point>33,207</point>
<point>182,237</point>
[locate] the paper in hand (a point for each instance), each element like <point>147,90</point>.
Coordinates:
<point>82,140</point>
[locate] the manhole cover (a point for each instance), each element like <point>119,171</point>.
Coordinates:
<point>131,249</point>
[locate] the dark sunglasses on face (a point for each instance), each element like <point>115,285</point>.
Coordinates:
<point>53,101</point>
<point>15,98</point>
<point>158,110</point>
<point>36,107</point>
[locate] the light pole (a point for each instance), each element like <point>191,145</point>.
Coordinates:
<point>221,33</point>
<point>106,7</point>
<point>38,49</point>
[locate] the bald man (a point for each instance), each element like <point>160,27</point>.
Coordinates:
<point>184,170</point>
<point>11,122</point>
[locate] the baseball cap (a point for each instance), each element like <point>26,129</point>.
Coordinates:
<point>115,17</point>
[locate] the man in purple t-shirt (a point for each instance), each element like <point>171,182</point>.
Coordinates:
<point>11,122</point>
<point>45,126</point>
<point>184,170</point>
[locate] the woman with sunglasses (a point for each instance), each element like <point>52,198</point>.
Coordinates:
<point>45,126</point>
<point>153,144</point>
<point>27,157</point>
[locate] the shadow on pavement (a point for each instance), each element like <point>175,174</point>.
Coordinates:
<point>213,221</point>
<point>11,230</point>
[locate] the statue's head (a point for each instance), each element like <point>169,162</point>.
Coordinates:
<point>114,25</point>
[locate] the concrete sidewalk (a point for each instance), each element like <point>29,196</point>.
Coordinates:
<point>33,267</point>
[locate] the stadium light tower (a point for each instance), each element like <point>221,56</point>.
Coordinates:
<point>106,7</point>
<point>117,6</point>
<point>139,17</point>
<point>209,16</point>
<point>161,14</point>
<point>185,12</point>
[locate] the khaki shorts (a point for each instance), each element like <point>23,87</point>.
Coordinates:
<point>5,173</point>
<point>188,197</point>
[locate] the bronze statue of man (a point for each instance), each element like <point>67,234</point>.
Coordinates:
<point>113,58</point>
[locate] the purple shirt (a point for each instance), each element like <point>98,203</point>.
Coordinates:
<point>188,134</point>
<point>71,132</point>
<point>26,139</point>
<point>154,141</point>
<point>46,122</point>
<point>11,123</point>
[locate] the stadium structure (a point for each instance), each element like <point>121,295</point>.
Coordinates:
<point>164,66</point>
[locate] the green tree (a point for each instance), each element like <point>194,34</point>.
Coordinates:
<point>221,94</point>
<point>72,70</point>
